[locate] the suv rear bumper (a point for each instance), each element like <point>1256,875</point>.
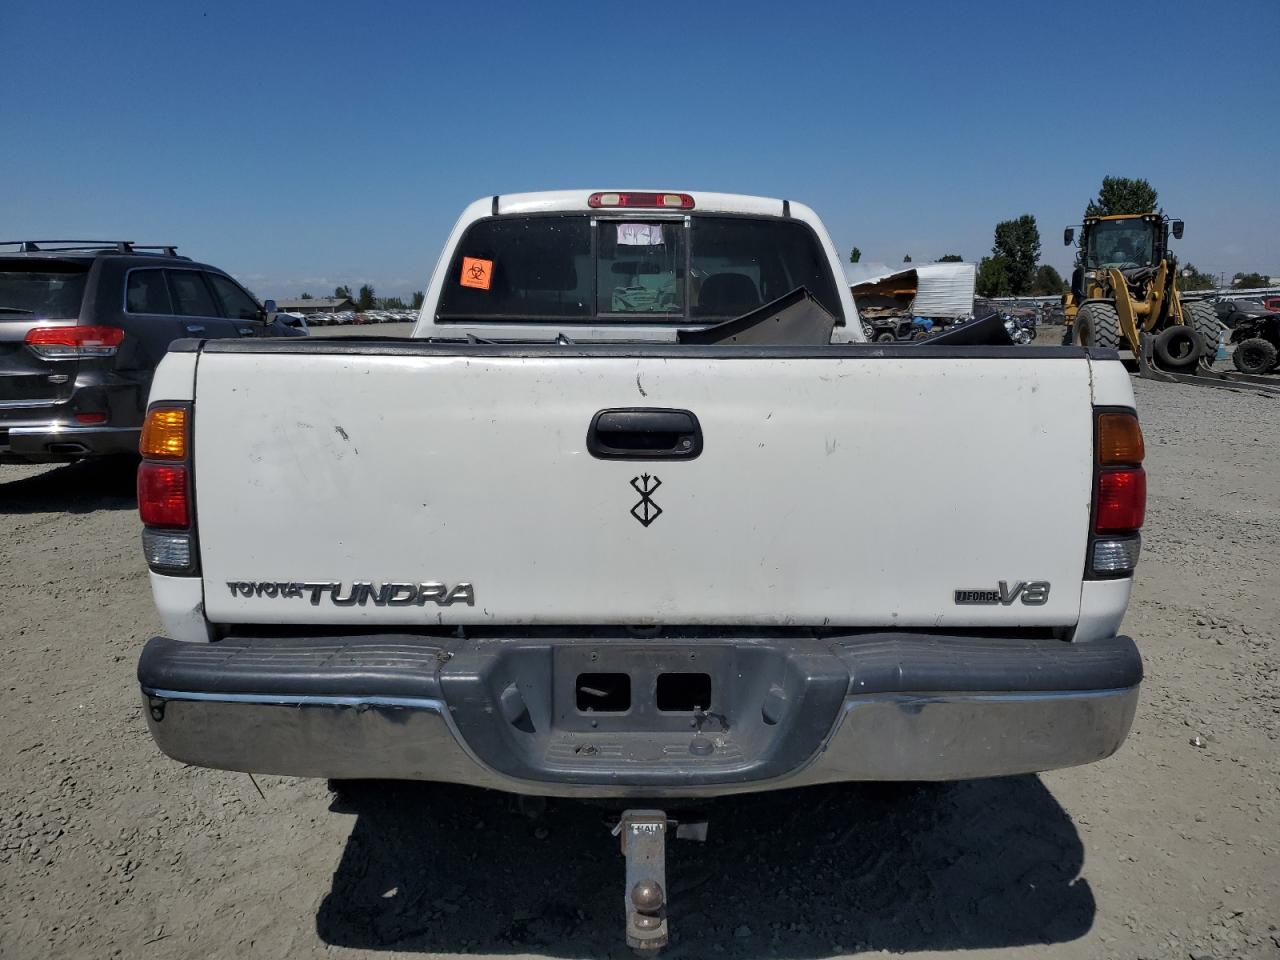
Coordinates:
<point>784,711</point>
<point>55,442</point>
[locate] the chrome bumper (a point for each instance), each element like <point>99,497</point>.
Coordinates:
<point>955,737</point>
<point>56,442</point>
<point>899,735</point>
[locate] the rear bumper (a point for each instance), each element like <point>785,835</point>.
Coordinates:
<point>784,712</point>
<point>55,442</point>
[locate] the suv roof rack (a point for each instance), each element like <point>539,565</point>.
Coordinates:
<point>95,246</point>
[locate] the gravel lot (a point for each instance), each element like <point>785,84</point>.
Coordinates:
<point>1166,850</point>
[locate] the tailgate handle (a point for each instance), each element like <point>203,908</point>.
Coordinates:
<point>644,433</point>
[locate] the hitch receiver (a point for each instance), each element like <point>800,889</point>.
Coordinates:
<point>644,845</point>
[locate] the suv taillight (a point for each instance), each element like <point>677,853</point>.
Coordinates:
<point>1119,494</point>
<point>164,491</point>
<point>72,343</point>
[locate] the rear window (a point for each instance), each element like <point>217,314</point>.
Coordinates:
<point>44,291</point>
<point>577,268</point>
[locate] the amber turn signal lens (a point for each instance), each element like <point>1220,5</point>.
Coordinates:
<point>164,434</point>
<point>1119,439</point>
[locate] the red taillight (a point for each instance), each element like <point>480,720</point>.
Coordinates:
<point>163,495</point>
<point>66,343</point>
<point>1122,501</point>
<point>660,201</point>
<point>164,492</point>
<point>89,419</point>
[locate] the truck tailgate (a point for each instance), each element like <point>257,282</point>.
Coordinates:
<point>843,488</point>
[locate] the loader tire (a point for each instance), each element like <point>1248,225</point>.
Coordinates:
<point>1254,355</point>
<point>1202,318</point>
<point>1177,347</point>
<point>1098,325</point>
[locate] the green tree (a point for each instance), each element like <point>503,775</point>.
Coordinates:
<point>367,298</point>
<point>1189,278</point>
<point>1248,280</point>
<point>1122,195</point>
<point>306,296</point>
<point>1017,243</point>
<point>417,299</point>
<point>950,258</point>
<point>342,293</point>
<point>855,255</point>
<point>1047,281</point>
<point>907,258</point>
<point>993,277</point>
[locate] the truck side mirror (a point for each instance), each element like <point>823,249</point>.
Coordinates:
<point>269,306</point>
<point>1068,235</point>
<point>1177,229</point>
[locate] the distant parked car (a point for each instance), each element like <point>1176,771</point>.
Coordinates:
<point>1272,303</point>
<point>82,327</point>
<point>1233,312</point>
<point>294,323</point>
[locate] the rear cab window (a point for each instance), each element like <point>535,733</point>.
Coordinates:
<point>584,268</point>
<point>38,289</point>
<point>640,268</point>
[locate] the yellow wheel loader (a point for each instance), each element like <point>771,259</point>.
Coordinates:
<point>1125,286</point>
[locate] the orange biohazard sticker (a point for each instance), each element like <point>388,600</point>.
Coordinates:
<point>476,273</point>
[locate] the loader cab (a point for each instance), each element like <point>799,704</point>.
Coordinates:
<point>1123,242</point>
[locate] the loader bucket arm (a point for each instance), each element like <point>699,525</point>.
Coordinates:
<point>1175,304</point>
<point>1125,310</point>
<point>1156,301</point>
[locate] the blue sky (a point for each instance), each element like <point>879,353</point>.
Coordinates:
<point>301,145</point>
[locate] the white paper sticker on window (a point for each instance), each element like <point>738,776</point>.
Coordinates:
<point>640,234</point>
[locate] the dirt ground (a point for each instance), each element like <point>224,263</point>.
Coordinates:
<point>1167,849</point>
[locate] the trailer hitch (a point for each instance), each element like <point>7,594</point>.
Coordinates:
<point>644,845</point>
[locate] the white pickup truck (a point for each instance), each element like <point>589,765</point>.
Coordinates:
<point>551,547</point>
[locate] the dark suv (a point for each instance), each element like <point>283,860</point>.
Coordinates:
<point>82,327</point>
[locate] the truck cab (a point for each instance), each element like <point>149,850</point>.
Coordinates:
<point>626,265</point>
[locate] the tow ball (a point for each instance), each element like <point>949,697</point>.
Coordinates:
<point>644,846</point>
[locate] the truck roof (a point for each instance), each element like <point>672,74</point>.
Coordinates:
<point>552,201</point>
<point>612,203</point>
